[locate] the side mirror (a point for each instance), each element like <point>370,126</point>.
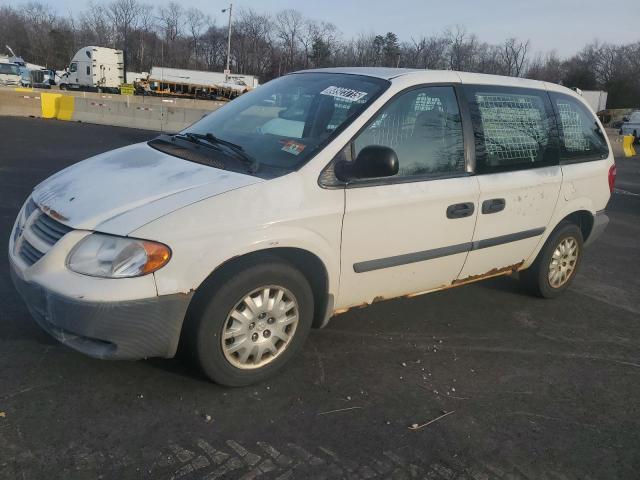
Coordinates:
<point>374,161</point>
<point>625,119</point>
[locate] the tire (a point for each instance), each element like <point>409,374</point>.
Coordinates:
<point>210,319</point>
<point>538,277</point>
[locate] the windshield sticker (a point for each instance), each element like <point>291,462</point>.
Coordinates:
<point>293,148</point>
<point>344,93</point>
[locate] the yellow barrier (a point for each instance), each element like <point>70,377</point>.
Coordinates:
<point>23,89</point>
<point>50,103</point>
<point>627,146</point>
<point>66,106</point>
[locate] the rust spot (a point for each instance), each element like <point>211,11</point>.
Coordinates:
<point>346,309</point>
<point>495,272</point>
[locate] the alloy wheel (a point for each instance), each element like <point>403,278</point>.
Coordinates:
<point>260,327</point>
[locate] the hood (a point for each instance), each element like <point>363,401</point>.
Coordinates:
<point>121,190</point>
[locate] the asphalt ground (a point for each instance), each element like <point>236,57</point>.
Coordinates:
<point>533,388</point>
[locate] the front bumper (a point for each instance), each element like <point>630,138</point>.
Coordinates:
<point>127,330</point>
<point>600,222</point>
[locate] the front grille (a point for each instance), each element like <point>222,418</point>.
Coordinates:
<point>40,234</point>
<point>29,253</point>
<point>49,230</point>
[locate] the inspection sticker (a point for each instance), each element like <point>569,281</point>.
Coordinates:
<point>293,148</point>
<point>344,93</point>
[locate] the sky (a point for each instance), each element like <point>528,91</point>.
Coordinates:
<point>561,25</point>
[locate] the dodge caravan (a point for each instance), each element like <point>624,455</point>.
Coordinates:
<point>317,192</point>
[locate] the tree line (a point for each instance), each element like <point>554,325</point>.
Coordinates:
<point>270,45</point>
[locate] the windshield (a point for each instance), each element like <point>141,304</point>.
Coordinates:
<point>8,69</point>
<point>284,122</point>
<point>635,117</point>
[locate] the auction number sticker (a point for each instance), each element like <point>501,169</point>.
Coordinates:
<point>344,93</point>
<point>293,148</point>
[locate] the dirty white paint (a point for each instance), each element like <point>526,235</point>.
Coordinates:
<point>208,216</point>
<point>118,191</point>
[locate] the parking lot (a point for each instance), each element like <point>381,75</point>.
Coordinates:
<point>532,388</point>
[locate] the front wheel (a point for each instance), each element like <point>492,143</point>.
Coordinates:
<point>246,328</point>
<point>555,267</point>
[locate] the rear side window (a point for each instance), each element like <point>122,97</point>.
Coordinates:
<point>581,138</point>
<point>424,127</point>
<point>514,128</point>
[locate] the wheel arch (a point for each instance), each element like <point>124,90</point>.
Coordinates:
<point>583,219</point>
<point>311,266</point>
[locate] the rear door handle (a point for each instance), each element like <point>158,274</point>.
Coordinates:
<point>493,205</point>
<point>460,210</point>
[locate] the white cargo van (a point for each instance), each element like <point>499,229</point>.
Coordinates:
<point>318,192</point>
<point>95,69</point>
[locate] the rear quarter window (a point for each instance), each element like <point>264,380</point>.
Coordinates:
<point>514,128</point>
<point>581,138</point>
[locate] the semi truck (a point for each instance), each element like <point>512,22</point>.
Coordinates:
<point>95,69</point>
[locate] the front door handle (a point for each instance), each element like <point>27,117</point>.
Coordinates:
<point>493,205</point>
<point>460,210</point>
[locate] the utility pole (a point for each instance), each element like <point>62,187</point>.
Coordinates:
<point>227,70</point>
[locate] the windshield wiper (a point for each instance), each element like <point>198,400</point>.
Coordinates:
<point>251,163</point>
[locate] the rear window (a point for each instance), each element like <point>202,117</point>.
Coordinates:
<point>514,128</point>
<point>581,137</point>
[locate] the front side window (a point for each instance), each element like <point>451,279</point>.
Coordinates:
<point>73,67</point>
<point>581,138</point>
<point>514,128</point>
<point>424,128</point>
<point>284,122</point>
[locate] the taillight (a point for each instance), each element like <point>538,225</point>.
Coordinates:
<point>612,177</point>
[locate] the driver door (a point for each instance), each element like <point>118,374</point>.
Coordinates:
<point>409,233</point>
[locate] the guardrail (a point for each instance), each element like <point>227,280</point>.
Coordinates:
<point>165,115</point>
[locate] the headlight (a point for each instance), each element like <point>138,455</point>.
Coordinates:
<point>108,256</point>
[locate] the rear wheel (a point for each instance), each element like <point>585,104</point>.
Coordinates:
<point>555,267</point>
<point>245,329</point>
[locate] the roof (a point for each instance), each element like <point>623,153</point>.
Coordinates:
<point>415,75</point>
<point>378,72</point>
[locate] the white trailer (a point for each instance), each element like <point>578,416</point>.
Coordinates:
<point>197,84</point>
<point>597,99</point>
<point>95,69</point>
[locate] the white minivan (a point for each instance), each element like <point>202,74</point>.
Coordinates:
<point>319,191</point>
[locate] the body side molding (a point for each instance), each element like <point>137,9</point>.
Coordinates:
<point>397,260</point>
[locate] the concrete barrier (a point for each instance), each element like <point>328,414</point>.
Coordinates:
<point>22,104</point>
<point>149,113</point>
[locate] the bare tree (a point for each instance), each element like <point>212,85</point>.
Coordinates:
<point>289,25</point>
<point>196,21</point>
<point>462,49</point>
<point>123,15</point>
<point>514,56</point>
<point>172,22</point>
